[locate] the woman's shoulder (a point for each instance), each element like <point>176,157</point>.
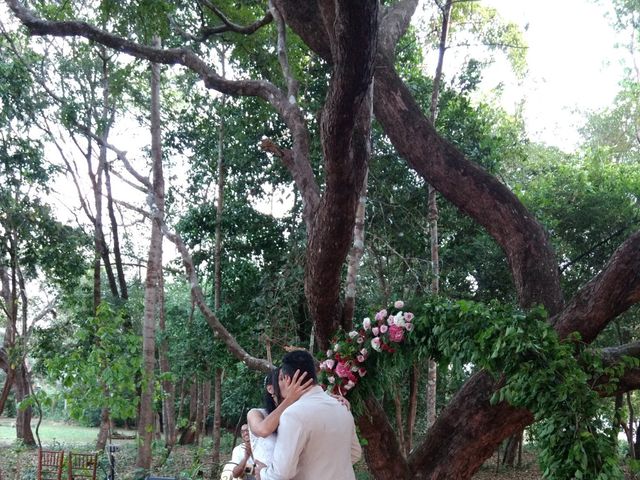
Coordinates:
<point>257,411</point>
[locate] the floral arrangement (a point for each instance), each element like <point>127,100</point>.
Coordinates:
<point>346,362</point>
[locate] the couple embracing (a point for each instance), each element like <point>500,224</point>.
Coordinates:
<point>309,434</point>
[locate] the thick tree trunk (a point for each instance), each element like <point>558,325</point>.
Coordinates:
<point>103,432</point>
<point>512,448</point>
<point>23,418</point>
<point>146,421</point>
<point>346,155</point>
<point>188,434</point>
<point>397,403</point>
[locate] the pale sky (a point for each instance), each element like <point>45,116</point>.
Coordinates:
<point>572,65</point>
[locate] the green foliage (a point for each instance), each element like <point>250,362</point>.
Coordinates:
<point>588,204</point>
<point>96,366</point>
<point>532,367</point>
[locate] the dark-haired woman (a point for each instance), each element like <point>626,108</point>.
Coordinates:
<point>263,422</point>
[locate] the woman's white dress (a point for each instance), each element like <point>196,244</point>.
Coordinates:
<point>262,447</point>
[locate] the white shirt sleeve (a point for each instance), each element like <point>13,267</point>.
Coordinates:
<point>291,439</point>
<point>237,455</point>
<point>356,449</point>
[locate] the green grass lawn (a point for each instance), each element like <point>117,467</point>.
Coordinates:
<point>51,432</point>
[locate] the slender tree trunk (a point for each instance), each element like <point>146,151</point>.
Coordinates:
<point>168,401</point>
<point>217,300</point>
<point>631,423</point>
<point>637,443</point>
<point>154,271</point>
<point>357,250</point>
<point>413,406</point>
<point>432,216</point>
<point>180,405</point>
<point>122,282</point>
<point>6,388</point>
<point>217,417</point>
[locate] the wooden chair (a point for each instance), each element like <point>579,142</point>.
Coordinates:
<point>82,466</point>
<point>50,464</point>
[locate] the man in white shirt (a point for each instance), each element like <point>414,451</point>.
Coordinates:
<point>317,435</point>
<point>242,457</point>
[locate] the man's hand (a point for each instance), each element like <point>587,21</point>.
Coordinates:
<point>259,466</point>
<point>342,400</point>
<point>294,387</point>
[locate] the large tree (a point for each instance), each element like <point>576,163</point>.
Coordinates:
<point>358,39</point>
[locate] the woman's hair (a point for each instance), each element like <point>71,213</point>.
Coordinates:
<point>271,379</point>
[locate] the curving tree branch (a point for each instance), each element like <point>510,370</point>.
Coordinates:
<point>229,26</point>
<point>607,295</point>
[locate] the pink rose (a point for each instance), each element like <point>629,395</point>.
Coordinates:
<point>408,316</point>
<point>353,334</point>
<point>342,369</point>
<point>331,379</point>
<point>366,323</point>
<point>360,358</point>
<point>360,339</point>
<point>381,315</point>
<point>349,385</point>
<point>375,344</point>
<point>329,353</point>
<point>362,372</point>
<point>375,330</point>
<point>364,352</point>
<point>383,329</point>
<point>398,304</point>
<point>396,333</point>
<point>329,364</point>
<point>409,327</point>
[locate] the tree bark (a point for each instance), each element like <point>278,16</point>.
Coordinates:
<point>168,400</point>
<point>23,418</point>
<point>188,434</point>
<point>217,415</point>
<point>355,255</point>
<point>146,421</point>
<point>103,432</point>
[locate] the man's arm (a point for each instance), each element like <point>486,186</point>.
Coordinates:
<point>290,442</point>
<point>240,456</point>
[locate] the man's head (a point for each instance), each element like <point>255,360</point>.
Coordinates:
<point>244,433</point>
<point>297,360</point>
